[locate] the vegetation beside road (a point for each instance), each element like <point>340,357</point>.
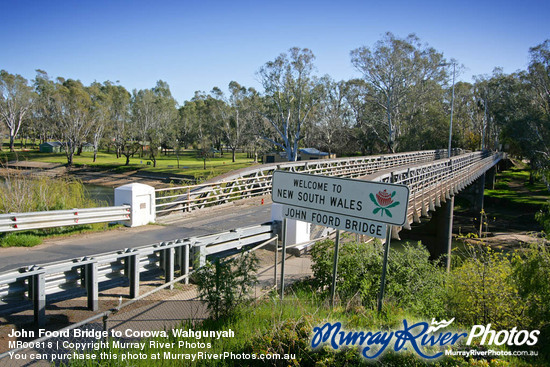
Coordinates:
<point>504,290</point>
<point>21,193</point>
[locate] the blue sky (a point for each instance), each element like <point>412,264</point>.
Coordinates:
<point>196,45</point>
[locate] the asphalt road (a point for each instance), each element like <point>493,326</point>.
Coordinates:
<point>207,221</point>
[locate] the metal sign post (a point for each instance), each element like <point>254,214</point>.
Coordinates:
<point>283,260</point>
<point>335,268</point>
<point>384,268</point>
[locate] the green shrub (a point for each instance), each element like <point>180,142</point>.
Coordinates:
<point>482,290</point>
<point>543,217</point>
<point>19,194</point>
<point>20,240</point>
<point>531,272</point>
<point>413,281</point>
<point>224,285</point>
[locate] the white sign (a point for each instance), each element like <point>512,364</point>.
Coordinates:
<point>338,221</point>
<point>363,200</point>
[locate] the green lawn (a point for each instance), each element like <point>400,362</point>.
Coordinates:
<point>513,186</point>
<point>190,163</point>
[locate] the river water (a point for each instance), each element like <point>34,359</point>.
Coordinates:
<point>101,193</point>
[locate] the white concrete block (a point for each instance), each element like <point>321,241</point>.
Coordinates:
<point>141,198</point>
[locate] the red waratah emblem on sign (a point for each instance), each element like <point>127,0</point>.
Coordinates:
<point>384,202</point>
<point>383,198</point>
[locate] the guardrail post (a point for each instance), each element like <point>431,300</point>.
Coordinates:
<point>38,295</point>
<point>199,255</point>
<point>169,266</point>
<point>161,260</point>
<point>133,275</point>
<point>184,261</point>
<point>92,285</point>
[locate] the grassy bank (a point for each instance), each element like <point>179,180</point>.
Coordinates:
<point>190,164</point>
<point>285,328</point>
<point>513,187</point>
<point>507,291</point>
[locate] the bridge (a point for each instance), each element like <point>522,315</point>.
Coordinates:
<point>432,177</point>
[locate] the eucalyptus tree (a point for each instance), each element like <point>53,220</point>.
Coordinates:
<point>100,114</point>
<point>469,115</point>
<point>234,113</point>
<point>290,96</point>
<point>202,110</point>
<point>122,129</point>
<point>256,128</point>
<point>395,69</point>
<point>16,101</point>
<point>333,115</point>
<point>44,110</point>
<point>74,115</point>
<point>523,110</point>
<point>539,79</point>
<point>364,117</point>
<point>153,111</point>
<point>185,127</point>
<point>182,131</point>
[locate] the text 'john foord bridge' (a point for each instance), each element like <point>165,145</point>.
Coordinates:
<point>432,178</point>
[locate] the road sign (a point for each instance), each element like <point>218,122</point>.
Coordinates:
<point>360,200</point>
<point>338,221</point>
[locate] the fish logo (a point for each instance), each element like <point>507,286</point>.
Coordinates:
<point>383,201</point>
<point>439,325</point>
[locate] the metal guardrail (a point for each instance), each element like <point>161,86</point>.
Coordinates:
<point>106,314</point>
<point>13,222</point>
<point>256,181</point>
<point>36,282</point>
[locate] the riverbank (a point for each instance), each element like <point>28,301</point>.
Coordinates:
<point>93,175</point>
<point>186,168</point>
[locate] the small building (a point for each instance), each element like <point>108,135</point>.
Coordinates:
<point>307,154</point>
<point>87,147</point>
<point>51,147</point>
<point>275,157</point>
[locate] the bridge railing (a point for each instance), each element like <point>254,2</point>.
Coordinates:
<point>34,283</point>
<point>13,222</point>
<point>432,183</point>
<point>256,181</point>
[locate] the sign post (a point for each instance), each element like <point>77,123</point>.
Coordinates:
<point>334,268</point>
<point>283,252</point>
<point>384,268</point>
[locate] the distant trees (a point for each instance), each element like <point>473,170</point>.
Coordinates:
<point>290,96</point>
<point>520,109</point>
<point>16,100</point>
<point>400,102</point>
<point>235,114</point>
<point>74,114</point>
<point>397,70</point>
<point>153,112</point>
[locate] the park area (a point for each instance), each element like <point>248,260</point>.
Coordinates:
<point>189,165</point>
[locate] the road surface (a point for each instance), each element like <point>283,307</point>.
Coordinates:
<point>238,214</point>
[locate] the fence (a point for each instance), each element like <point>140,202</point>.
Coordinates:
<point>430,184</point>
<point>13,222</point>
<point>147,313</point>
<point>256,181</point>
<point>38,281</point>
